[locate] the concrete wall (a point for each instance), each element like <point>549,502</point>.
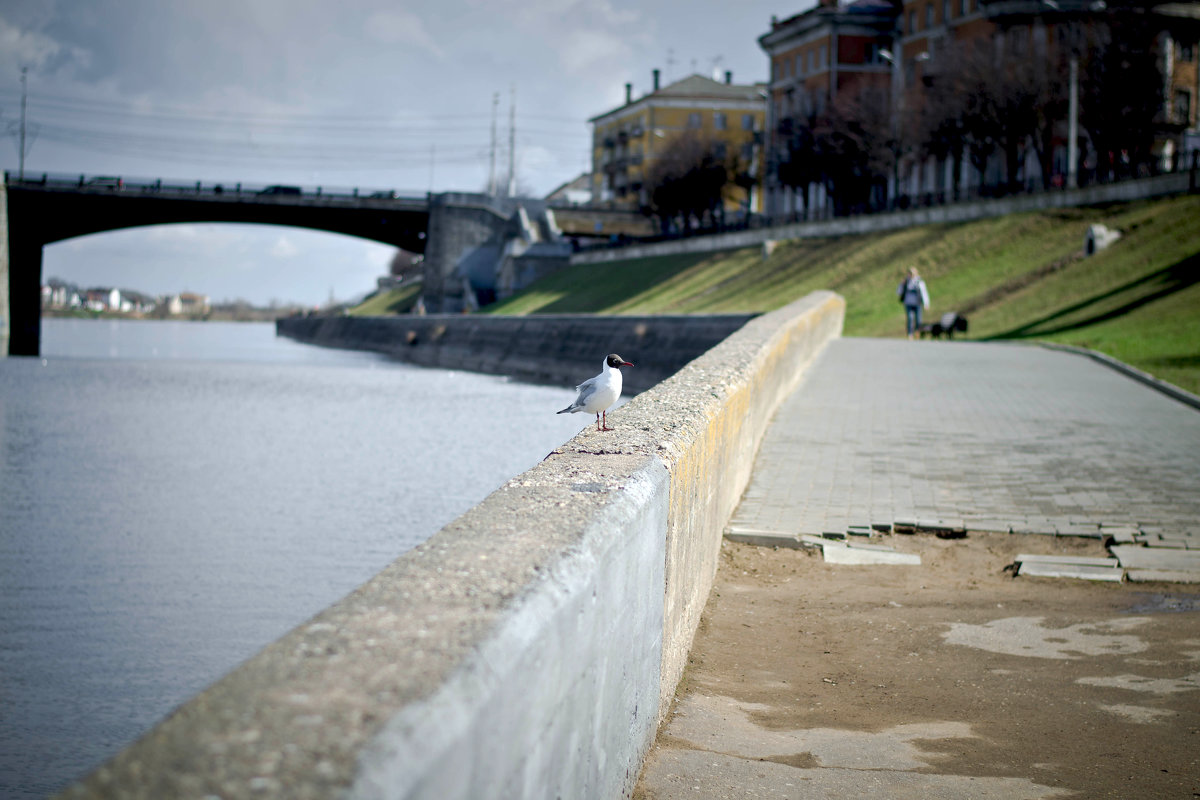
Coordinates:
<point>563,349</point>
<point>457,224</point>
<point>528,649</point>
<point>1175,183</point>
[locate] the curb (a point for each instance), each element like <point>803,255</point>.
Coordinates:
<point>1169,389</point>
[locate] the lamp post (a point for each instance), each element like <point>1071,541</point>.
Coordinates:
<point>887,56</point>
<point>1073,97</point>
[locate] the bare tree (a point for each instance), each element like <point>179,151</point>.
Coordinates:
<point>689,184</point>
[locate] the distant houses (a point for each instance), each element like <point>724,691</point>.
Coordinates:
<point>58,295</point>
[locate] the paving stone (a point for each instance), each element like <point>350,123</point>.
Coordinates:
<point>1086,561</point>
<point>1052,570</point>
<point>1167,575</point>
<point>1137,557</point>
<point>989,525</point>
<point>1020,438</point>
<point>763,538</point>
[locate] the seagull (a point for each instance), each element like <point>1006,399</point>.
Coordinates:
<point>598,393</point>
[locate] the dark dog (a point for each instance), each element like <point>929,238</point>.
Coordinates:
<point>947,325</point>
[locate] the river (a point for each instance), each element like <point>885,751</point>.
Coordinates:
<point>175,495</point>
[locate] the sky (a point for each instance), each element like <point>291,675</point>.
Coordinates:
<point>374,94</point>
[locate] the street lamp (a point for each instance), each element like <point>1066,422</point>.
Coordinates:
<point>1073,99</point>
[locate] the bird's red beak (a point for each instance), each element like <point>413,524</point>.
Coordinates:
<point>626,363</point>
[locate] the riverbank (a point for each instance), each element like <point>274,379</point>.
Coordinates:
<point>1021,277</point>
<point>559,349</point>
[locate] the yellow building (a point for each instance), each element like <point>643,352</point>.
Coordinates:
<point>628,139</point>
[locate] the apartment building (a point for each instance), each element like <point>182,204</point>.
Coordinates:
<point>627,140</point>
<point>829,51</point>
<point>919,47</point>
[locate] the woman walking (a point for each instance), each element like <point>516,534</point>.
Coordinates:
<point>914,296</point>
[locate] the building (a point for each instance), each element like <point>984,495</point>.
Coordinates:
<point>188,303</point>
<point>627,140</point>
<point>1072,61</point>
<point>828,52</point>
<point>575,192</point>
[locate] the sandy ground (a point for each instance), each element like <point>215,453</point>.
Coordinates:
<point>949,679</point>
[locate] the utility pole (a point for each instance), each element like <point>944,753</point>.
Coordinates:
<point>512,143</point>
<point>1073,125</point>
<point>492,163</point>
<point>21,154</point>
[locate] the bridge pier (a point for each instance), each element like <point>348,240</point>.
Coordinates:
<point>20,285</point>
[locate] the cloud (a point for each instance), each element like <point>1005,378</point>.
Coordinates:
<point>29,48</point>
<point>402,28</point>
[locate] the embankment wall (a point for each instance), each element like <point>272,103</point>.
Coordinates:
<point>530,648</point>
<point>545,348</point>
<point>1124,191</point>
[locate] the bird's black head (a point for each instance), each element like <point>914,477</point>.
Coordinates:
<point>615,361</point>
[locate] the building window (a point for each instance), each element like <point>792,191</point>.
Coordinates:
<point>799,64</point>
<point>1187,51</point>
<point>963,7</point>
<point>1183,107</point>
<point>912,21</point>
<point>720,150</point>
<point>945,11</point>
<point>694,119</point>
<point>824,56</point>
<point>928,16</point>
<point>808,57</point>
<point>747,122</point>
<point>1016,42</point>
<point>719,120</point>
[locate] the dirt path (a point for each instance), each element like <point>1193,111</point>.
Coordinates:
<point>950,679</point>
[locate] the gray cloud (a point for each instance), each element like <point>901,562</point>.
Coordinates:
<point>362,94</point>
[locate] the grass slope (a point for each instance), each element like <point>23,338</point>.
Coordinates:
<point>1020,277</point>
<point>392,301</point>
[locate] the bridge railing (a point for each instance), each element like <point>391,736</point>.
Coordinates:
<point>215,190</point>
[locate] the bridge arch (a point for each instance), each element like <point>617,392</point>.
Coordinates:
<point>34,213</point>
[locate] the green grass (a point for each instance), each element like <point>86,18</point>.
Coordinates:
<point>1017,277</point>
<point>392,301</point>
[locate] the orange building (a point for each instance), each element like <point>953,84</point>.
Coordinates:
<point>916,45</point>
<point>816,56</point>
<point>627,140</point>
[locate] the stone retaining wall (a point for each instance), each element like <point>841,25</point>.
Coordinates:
<point>562,349</point>
<point>528,649</point>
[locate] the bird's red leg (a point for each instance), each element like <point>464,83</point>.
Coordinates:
<point>605,428</point>
<point>598,423</point>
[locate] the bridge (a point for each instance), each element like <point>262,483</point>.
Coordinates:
<point>41,210</point>
<point>38,211</point>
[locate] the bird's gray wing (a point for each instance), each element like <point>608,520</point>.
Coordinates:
<point>586,390</point>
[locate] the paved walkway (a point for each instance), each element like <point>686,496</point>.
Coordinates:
<point>950,679</point>
<point>990,436</point>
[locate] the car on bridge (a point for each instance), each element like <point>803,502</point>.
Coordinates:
<point>105,182</point>
<point>276,190</point>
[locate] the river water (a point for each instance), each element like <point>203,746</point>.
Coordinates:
<point>174,496</point>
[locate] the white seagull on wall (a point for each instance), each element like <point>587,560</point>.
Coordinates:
<point>598,393</point>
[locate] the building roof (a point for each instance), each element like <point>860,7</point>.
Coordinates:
<point>859,12</point>
<point>695,87</point>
